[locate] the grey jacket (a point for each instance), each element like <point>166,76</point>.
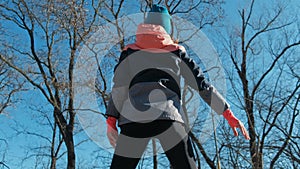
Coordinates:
<point>147,83</point>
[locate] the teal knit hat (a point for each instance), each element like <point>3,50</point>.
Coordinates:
<point>159,15</point>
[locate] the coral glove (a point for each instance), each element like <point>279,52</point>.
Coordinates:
<point>235,123</point>
<point>112,131</point>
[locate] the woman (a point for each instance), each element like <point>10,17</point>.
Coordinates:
<point>146,96</point>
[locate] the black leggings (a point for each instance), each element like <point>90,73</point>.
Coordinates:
<point>134,139</point>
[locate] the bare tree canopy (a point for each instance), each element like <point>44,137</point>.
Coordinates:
<point>263,56</point>
<point>39,48</point>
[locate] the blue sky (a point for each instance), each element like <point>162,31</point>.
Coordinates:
<point>22,115</point>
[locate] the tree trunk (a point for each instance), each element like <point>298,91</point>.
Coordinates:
<point>53,163</point>
<point>248,99</point>
<point>67,132</point>
<point>155,163</point>
<point>71,151</point>
<point>256,156</point>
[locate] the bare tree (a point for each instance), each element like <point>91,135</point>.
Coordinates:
<point>50,33</point>
<point>48,151</point>
<point>9,85</point>
<point>262,52</point>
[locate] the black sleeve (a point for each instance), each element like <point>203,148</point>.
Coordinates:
<point>118,93</point>
<point>194,77</point>
<point>192,73</point>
